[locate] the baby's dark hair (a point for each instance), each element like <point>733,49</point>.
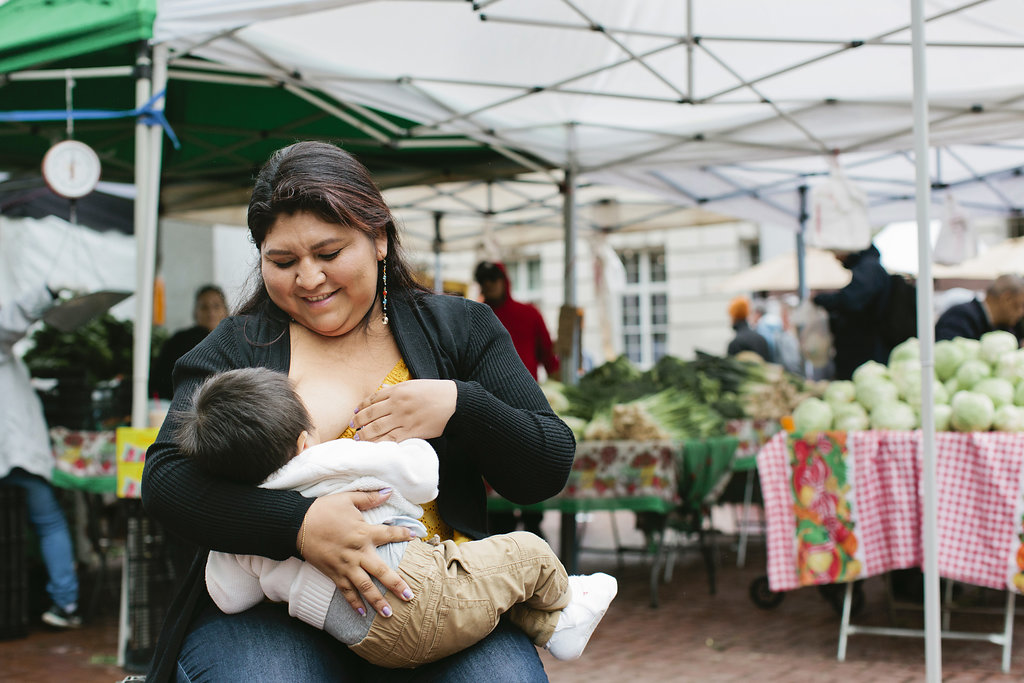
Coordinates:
<point>243,424</point>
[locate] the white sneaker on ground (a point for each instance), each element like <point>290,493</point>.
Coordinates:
<point>591,595</point>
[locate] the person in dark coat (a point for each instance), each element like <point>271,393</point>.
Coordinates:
<point>1001,309</point>
<point>854,311</point>
<point>746,339</point>
<point>210,307</point>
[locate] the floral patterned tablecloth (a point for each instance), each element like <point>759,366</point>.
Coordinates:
<point>638,475</point>
<point>615,475</point>
<point>843,506</point>
<point>85,460</point>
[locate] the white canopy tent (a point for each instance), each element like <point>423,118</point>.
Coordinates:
<point>728,106</point>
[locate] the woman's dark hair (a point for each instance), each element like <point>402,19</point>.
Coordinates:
<point>328,182</point>
<point>243,424</point>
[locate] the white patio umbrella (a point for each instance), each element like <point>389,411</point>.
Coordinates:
<point>1005,257</point>
<point>780,274</point>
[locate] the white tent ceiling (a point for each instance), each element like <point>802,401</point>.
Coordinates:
<point>728,105</point>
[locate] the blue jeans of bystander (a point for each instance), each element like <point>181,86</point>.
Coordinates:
<point>47,517</point>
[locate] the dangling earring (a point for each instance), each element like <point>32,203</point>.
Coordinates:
<point>384,303</point>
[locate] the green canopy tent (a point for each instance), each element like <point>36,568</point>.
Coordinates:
<point>189,136</point>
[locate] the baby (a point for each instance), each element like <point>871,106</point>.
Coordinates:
<point>249,425</point>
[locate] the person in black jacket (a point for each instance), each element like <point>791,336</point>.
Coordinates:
<point>855,312</point>
<point>209,308</point>
<point>1001,309</point>
<point>746,338</point>
<point>338,309</point>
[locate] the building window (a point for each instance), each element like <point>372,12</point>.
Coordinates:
<point>526,281</point>
<point>645,306</point>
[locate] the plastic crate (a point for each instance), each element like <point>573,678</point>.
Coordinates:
<point>150,585</point>
<point>14,585</point>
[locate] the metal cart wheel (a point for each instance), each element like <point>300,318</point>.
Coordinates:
<point>762,595</point>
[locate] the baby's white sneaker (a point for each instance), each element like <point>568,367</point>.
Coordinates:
<point>591,595</point>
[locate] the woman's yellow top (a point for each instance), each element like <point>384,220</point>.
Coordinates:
<point>431,519</point>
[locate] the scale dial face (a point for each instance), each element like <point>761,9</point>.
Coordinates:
<point>71,169</point>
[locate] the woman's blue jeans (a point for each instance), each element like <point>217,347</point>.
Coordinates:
<point>265,644</point>
<point>46,515</point>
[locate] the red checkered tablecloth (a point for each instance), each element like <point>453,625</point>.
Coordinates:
<point>876,477</point>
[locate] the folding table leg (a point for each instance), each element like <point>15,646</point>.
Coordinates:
<point>748,496</point>
<point>844,624</point>
<point>1008,629</point>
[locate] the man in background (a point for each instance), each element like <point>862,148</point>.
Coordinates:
<point>1001,309</point>
<point>533,344</point>
<point>523,321</point>
<point>746,339</point>
<point>855,311</point>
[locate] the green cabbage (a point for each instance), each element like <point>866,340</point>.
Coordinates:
<point>849,417</point>
<point>906,375</point>
<point>970,347</point>
<point>893,415</point>
<point>839,391</point>
<point>1010,366</point>
<point>995,344</point>
<point>972,412</point>
<point>913,395</point>
<point>1018,395</point>
<point>1009,418</point>
<point>999,390</point>
<point>971,372</point>
<point>948,357</point>
<point>872,392</point>
<point>942,413</point>
<point>870,370</point>
<point>812,415</point>
<point>907,350</point>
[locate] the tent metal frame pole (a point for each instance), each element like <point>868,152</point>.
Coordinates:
<point>438,246</point>
<point>926,336</point>
<point>632,55</point>
<point>62,74</point>
<point>533,90</point>
<point>569,186</point>
<point>143,304</point>
<point>878,39</point>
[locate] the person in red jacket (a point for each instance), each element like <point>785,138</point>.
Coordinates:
<point>533,344</point>
<point>523,321</point>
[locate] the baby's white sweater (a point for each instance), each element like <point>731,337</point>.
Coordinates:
<point>409,468</point>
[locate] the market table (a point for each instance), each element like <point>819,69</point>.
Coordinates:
<point>671,480</point>
<point>843,506</point>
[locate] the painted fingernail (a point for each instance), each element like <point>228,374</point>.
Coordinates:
<point>352,424</point>
<point>356,410</point>
<point>386,611</point>
<point>385,492</point>
<point>355,437</point>
<point>407,594</point>
<point>362,612</point>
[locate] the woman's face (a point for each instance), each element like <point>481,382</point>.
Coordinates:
<point>210,310</point>
<point>323,275</point>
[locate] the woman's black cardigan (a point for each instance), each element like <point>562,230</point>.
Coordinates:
<point>503,430</point>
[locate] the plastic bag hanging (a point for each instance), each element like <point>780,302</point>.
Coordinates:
<point>956,241</point>
<point>839,216</point>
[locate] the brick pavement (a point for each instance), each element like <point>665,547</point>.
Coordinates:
<point>692,636</point>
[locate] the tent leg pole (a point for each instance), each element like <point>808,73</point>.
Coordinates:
<point>143,91</point>
<point>571,361</point>
<point>926,335</point>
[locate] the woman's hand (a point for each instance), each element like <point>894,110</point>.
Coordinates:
<point>336,539</point>
<point>415,408</point>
